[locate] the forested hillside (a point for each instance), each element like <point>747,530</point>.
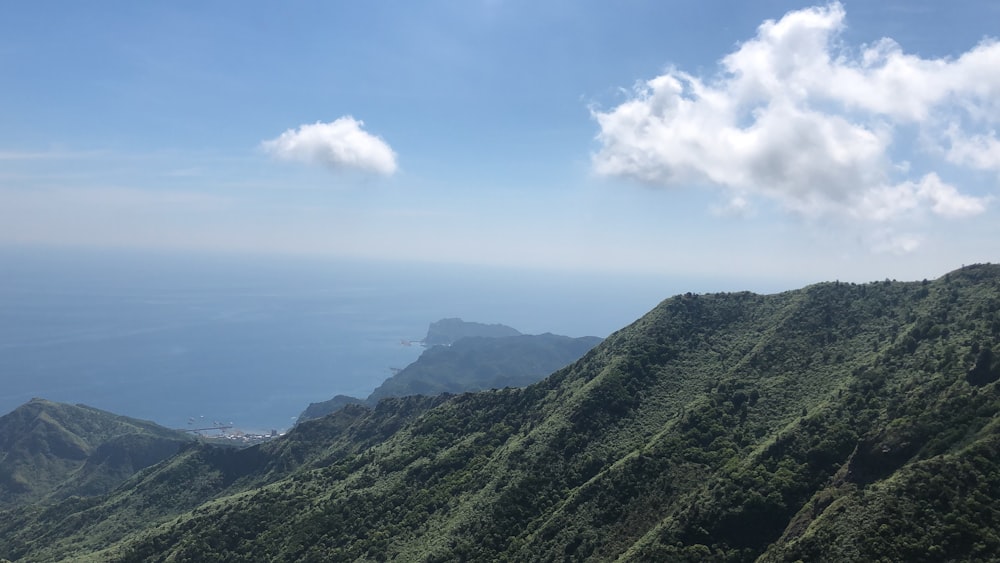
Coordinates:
<point>55,450</point>
<point>838,422</point>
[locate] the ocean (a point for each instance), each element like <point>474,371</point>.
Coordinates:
<point>194,340</point>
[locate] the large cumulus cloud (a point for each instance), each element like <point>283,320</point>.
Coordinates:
<point>794,117</point>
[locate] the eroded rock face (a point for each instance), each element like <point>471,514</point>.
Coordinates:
<point>986,370</point>
<point>879,456</point>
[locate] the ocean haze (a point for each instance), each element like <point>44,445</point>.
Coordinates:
<point>181,338</point>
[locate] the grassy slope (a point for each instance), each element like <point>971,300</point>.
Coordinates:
<point>197,475</point>
<point>56,450</point>
<point>717,427</point>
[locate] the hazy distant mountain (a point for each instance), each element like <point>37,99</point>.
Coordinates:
<point>479,363</point>
<point>839,422</point>
<point>56,450</point>
<point>472,363</point>
<point>448,331</point>
<point>323,408</point>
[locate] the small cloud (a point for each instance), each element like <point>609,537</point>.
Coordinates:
<point>946,201</point>
<point>886,241</point>
<point>342,144</point>
<point>737,206</point>
<point>976,151</point>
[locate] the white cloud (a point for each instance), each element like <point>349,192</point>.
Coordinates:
<point>340,144</point>
<point>976,151</point>
<point>886,203</point>
<point>737,206</point>
<point>886,241</point>
<point>795,118</point>
<point>946,201</point>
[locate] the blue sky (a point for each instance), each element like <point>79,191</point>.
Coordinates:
<point>779,140</point>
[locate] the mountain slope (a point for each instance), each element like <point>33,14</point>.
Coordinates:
<point>838,422</point>
<point>199,473</point>
<point>58,450</point>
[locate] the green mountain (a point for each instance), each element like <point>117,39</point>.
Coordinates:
<point>839,422</point>
<point>53,450</point>
<point>171,491</point>
<point>473,363</point>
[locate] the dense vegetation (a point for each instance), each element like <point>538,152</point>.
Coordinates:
<point>52,450</point>
<point>839,422</point>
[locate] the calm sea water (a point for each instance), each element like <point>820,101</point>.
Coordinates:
<point>187,340</point>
